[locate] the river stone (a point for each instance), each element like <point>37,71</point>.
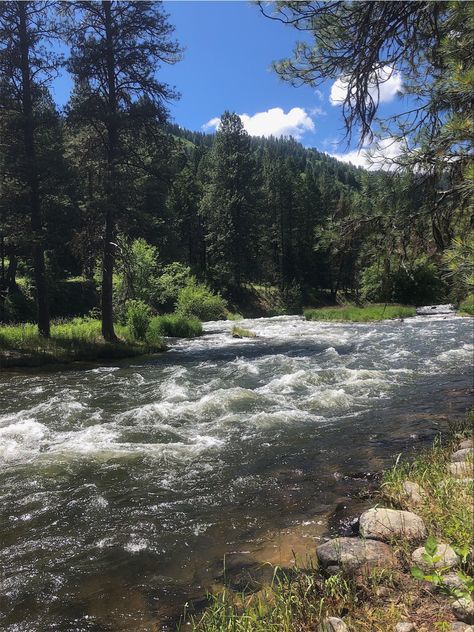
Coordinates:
<point>463,609</point>
<point>412,492</point>
<point>385,524</point>
<point>461,455</point>
<point>354,555</point>
<point>453,581</point>
<point>405,626</point>
<point>459,626</point>
<point>461,470</point>
<point>466,443</point>
<point>448,558</point>
<point>333,624</point>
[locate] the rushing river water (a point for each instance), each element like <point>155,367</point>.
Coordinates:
<point>123,487</point>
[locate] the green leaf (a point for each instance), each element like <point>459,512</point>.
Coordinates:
<point>417,573</point>
<point>431,545</point>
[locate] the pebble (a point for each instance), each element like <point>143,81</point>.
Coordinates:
<point>463,609</point>
<point>461,455</point>
<point>333,624</point>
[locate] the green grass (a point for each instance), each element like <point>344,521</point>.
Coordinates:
<point>352,313</point>
<point>447,503</point>
<point>74,340</point>
<point>240,332</point>
<point>174,325</point>
<point>233,316</point>
<point>467,306</point>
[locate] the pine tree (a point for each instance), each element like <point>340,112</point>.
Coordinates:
<point>116,49</point>
<point>26,68</point>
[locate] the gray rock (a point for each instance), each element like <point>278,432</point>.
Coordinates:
<point>447,555</point>
<point>453,581</point>
<point>354,555</point>
<point>434,310</point>
<point>466,443</point>
<point>385,524</point>
<point>461,470</point>
<point>463,609</point>
<point>412,492</point>
<point>333,624</point>
<point>459,626</point>
<point>461,455</point>
<point>405,626</point>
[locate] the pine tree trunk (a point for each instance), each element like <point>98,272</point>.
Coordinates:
<point>109,231</point>
<point>32,175</point>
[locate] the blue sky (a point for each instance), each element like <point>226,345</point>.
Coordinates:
<point>229,47</point>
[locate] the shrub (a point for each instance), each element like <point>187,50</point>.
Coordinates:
<point>137,274</point>
<point>174,325</point>
<point>138,318</point>
<point>173,278</point>
<point>196,300</point>
<point>467,306</point>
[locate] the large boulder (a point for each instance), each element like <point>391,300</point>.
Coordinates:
<point>386,524</point>
<point>462,455</point>
<point>446,554</point>
<point>333,624</point>
<point>355,555</point>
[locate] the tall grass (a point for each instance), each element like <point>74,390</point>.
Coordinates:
<point>467,306</point>
<point>369,313</point>
<point>77,339</point>
<point>174,325</point>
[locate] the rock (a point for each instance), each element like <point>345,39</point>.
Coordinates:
<point>354,555</point>
<point>466,443</point>
<point>459,626</point>
<point>463,609</point>
<point>385,524</point>
<point>333,624</point>
<point>461,455</point>
<point>448,558</point>
<point>461,470</point>
<point>405,626</point>
<point>453,581</point>
<point>412,492</point>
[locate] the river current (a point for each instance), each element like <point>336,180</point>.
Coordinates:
<point>125,487</point>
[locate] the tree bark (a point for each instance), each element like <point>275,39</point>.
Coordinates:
<point>109,232</point>
<point>32,178</point>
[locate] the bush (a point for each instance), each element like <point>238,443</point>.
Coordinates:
<point>138,319</point>
<point>137,274</point>
<point>417,284</point>
<point>196,300</point>
<point>174,325</point>
<point>467,306</point>
<point>173,278</point>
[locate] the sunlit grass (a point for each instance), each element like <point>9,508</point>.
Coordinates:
<point>352,313</point>
<point>77,339</point>
<point>241,332</point>
<point>174,325</point>
<point>467,306</point>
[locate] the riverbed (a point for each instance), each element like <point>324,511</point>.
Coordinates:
<point>125,487</point>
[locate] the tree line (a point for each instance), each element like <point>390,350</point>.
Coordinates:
<point>78,188</point>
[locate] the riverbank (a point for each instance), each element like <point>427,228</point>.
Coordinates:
<point>409,569</point>
<point>72,341</point>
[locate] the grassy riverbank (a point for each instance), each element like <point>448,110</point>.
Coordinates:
<point>353,313</point>
<point>77,340</point>
<point>300,600</point>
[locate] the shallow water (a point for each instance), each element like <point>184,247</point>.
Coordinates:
<point>123,487</point>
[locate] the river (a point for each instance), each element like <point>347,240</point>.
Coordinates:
<point>124,487</point>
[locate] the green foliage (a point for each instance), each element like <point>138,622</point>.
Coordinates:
<point>459,261</point>
<point>196,300</point>
<point>138,318</point>
<point>173,325</point>
<point>233,316</point>
<point>417,284</point>
<point>360,314</point>
<point>172,279</point>
<point>467,306</point>
<point>137,273</point>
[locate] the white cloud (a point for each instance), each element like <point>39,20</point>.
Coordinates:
<point>389,84</point>
<point>381,155</point>
<point>273,122</point>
